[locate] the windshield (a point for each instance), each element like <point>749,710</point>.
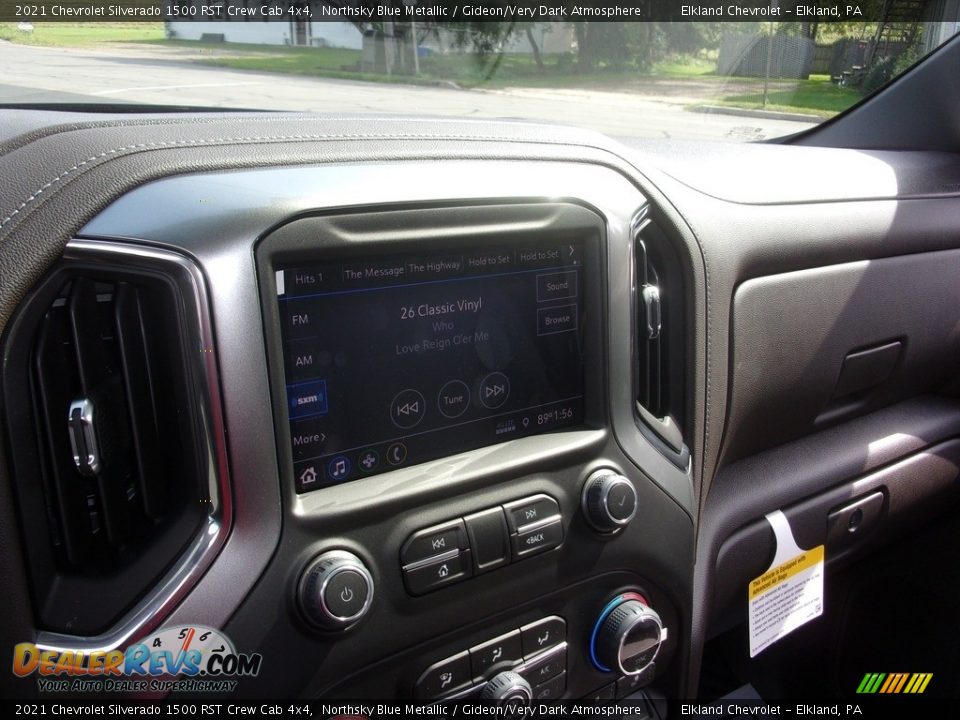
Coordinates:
<point>694,75</point>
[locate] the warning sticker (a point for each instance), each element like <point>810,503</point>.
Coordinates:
<point>789,594</point>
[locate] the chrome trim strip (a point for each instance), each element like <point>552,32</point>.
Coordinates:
<point>179,580</point>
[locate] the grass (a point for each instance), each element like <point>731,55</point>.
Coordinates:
<point>816,96</point>
<point>51,34</point>
<point>268,58</point>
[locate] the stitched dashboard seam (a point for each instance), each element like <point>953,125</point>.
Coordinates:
<point>258,138</point>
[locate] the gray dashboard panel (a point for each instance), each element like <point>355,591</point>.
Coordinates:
<point>781,218</point>
<point>218,217</point>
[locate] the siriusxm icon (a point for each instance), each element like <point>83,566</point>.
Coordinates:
<point>307,399</point>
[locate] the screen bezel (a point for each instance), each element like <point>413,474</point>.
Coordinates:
<point>353,234</point>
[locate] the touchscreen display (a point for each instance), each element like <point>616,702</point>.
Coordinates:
<point>394,360</point>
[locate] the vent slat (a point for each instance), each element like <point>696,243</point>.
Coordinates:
<point>137,373</point>
<point>660,344</point>
<point>56,385</point>
<point>105,437</point>
<point>93,365</point>
<point>650,385</point>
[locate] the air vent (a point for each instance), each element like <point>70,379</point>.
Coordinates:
<point>660,340</point>
<point>108,442</point>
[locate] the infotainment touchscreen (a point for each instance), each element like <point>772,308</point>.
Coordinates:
<point>396,360</point>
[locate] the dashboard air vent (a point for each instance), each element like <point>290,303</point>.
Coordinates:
<point>660,340</point>
<point>107,440</point>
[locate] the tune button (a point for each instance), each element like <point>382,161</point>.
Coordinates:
<point>453,399</point>
<point>609,501</point>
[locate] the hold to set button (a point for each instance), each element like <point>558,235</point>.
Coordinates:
<point>537,539</point>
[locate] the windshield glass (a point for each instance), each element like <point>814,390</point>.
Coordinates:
<point>695,74</point>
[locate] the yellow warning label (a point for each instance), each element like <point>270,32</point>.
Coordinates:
<point>774,576</point>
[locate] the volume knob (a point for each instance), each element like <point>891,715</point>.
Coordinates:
<point>335,590</point>
<point>609,501</point>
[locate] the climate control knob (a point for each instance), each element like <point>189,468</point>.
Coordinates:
<point>626,637</point>
<point>335,590</point>
<point>507,687</point>
<point>609,501</point>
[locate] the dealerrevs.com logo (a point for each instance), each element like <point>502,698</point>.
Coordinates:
<point>190,658</point>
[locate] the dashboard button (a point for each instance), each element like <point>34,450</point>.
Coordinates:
<point>339,468</point>
<point>493,653</point>
<point>433,541</point>
<point>489,542</point>
<point>307,440</point>
<point>494,390</point>
<point>552,689</point>
<point>444,677</point>
<point>308,474</point>
<point>530,511</point>
<point>543,634</point>
<point>622,502</point>
<point>408,409</point>
<point>335,590</point>
<point>368,460</point>
<point>346,593</point>
<point>609,501</point>
<point>545,666</point>
<point>453,399</point>
<point>432,575</point>
<point>537,539</point>
<point>396,453</point>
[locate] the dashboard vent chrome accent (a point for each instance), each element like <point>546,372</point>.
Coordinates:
<point>83,438</point>
<point>659,348</point>
<point>109,412</point>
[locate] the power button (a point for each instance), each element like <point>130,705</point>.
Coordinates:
<point>335,590</point>
<point>346,594</point>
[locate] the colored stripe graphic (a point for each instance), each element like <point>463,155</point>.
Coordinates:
<point>903,680</point>
<point>894,683</point>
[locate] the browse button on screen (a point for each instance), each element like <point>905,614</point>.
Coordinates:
<point>562,318</point>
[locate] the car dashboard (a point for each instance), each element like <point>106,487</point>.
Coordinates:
<point>439,409</point>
